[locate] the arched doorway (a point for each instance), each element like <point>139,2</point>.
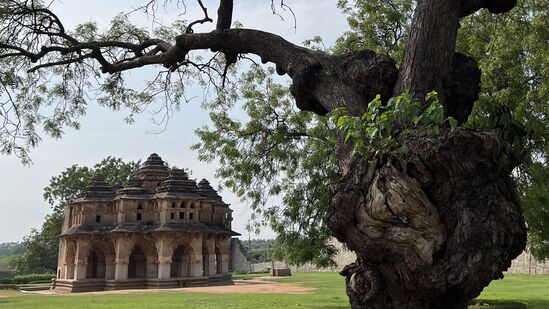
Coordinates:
<point>96,265</point>
<point>182,262</point>
<point>137,267</point>
<point>218,261</point>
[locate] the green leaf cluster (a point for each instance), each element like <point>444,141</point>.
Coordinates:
<point>378,131</point>
<point>52,99</point>
<point>68,185</point>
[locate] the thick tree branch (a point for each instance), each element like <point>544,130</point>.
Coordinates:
<point>469,7</point>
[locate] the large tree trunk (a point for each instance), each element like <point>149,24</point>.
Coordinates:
<point>430,232</point>
<point>432,229</point>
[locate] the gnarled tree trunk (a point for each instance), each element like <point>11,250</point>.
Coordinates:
<point>431,231</point>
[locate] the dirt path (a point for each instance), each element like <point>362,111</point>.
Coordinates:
<point>285,288</point>
<point>5,295</point>
<point>240,287</point>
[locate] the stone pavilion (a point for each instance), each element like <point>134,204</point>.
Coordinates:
<point>163,230</point>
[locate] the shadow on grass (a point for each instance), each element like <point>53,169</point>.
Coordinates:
<point>498,304</point>
<point>6,300</point>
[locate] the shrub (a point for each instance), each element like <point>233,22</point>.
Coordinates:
<point>25,279</point>
<point>8,287</point>
<point>6,281</point>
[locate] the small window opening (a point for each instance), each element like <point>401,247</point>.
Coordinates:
<point>191,216</point>
<point>182,205</point>
<point>138,217</point>
<point>181,215</point>
<point>97,218</point>
<point>192,205</point>
<point>140,207</point>
<point>173,205</point>
<point>172,216</point>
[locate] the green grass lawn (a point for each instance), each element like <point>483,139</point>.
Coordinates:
<point>517,292</point>
<point>513,292</point>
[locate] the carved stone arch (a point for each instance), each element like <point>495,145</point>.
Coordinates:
<point>149,248</point>
<point>183,259</point>
<point>100,254</point>
<point>143,258</point>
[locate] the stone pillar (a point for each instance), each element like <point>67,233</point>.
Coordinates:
<point>80,270</point>
<point>211,264</point>
<point>224,245</point>
<point>164,268</point>
<point>81,260</point>
<point>109,270</point>
<point>152,270</point>
<point>225,264</point>
<point>209,244</point>
<point>61,259</point>
<point>110,266</point>
<point>122,250</point>
<point>121,269</point>
<point>196,264</point>
<point>69,271</point>
<point>164,258</point>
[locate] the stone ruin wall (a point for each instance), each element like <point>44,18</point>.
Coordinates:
<point>240,260</point>
<point>524,264</point>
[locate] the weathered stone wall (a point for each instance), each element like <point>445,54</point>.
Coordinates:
<point>526,264</point>
<point>344,257</point>
<point>264,267</point>
<point>240,260</point>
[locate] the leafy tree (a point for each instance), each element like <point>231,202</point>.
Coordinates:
<point>260,250</point>
<point>279,152</point>
<point>429,232</point>
<point>68,185</point>
<point>42,246</point>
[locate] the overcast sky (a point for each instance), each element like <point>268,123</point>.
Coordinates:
<point>103,132</point>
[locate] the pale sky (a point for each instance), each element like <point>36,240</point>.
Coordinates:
<point>103,132</point>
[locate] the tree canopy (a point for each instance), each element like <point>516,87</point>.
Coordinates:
<point>513,100</point>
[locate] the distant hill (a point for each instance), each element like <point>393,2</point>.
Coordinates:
<point>9,253</point>
<point>261,250</point>
<point>11,248</point>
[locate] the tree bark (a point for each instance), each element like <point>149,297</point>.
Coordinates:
<point>430,232</point>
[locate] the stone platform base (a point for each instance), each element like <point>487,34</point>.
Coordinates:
<point>93,285</point>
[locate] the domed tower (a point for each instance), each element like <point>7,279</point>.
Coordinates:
<point>178,185</point>
<point>97,190</point>
<point>153,171</point>
<point>220,210</point>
